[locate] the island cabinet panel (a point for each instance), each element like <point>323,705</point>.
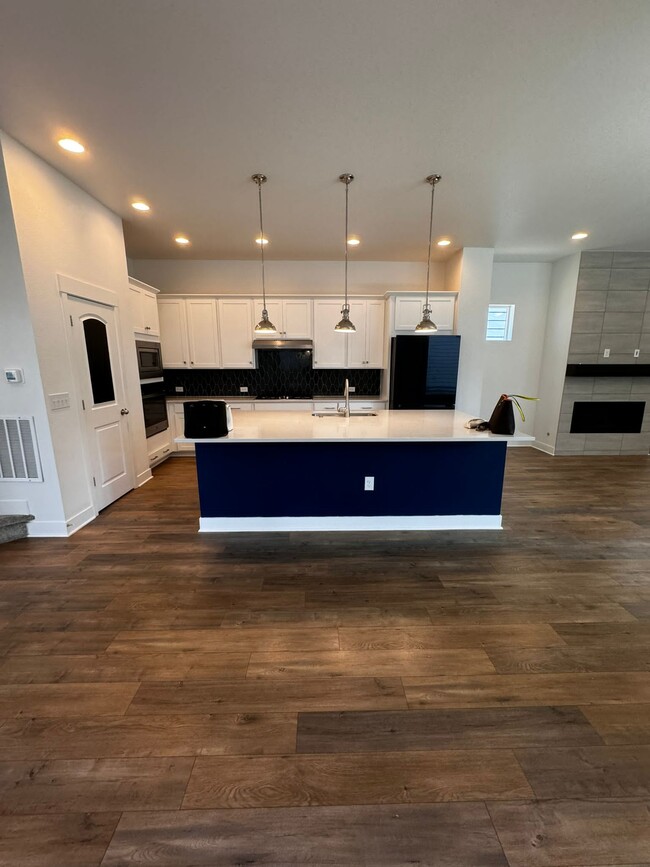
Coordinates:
<point>408,311</point>
<point>236,332</point>
<point>467,493</point>
<point>291,316</point>
<point>330,347</point>
<point>173,332</point>
<point>202,332</point>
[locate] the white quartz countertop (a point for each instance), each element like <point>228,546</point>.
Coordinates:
<point>387,426</point>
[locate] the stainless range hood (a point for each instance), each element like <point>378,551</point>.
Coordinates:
<point>266,343</point>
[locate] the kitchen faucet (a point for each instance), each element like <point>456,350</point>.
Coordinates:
<point>345,412</point>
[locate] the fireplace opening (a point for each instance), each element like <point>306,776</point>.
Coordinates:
<point>607,416</point>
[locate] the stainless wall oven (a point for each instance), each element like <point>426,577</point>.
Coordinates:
<point>154,406</point>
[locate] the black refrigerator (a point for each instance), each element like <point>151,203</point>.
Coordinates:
<point>424,371</point>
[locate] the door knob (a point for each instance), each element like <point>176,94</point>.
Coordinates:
<point>124,412</point>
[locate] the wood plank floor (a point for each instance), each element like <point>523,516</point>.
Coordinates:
<point>463,699</point>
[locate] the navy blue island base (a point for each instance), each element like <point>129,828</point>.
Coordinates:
<point>284,486</point>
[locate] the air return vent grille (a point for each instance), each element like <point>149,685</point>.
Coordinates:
<point>18,452</point>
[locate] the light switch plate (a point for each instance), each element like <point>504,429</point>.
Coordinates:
<point>606,353</point>
<point>60,401</point>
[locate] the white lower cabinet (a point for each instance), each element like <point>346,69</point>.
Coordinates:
<point>241,406</point>
<point>283,406</point>
<point>160,446</point>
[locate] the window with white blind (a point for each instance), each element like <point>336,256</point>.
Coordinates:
<point>500,320</point>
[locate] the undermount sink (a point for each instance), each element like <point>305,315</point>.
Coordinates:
<point>334,414</point>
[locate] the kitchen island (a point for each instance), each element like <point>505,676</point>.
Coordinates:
<point>297,471</point>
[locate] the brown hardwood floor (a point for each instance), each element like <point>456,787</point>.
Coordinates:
<point>470,699</point>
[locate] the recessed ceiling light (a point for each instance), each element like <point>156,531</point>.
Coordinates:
<point>140,206</point>
<point>579,236</point>
<point>261,241</point>
<point>443,242</point>
<point>69,144</point>
<point>354,241</point>
<point>182,240</point>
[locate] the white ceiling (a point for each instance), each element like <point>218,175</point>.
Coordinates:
<point>535,112</point>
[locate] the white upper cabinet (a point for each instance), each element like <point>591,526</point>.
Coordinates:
<point>173,332</point>
<point>408,311</point>
<point>236,332</point>
<point>330,347</point>
<point>291,316</point>
<point>144,308</point>
<point>202,332</point>
<point>189,337</point>
<point>366,346</point>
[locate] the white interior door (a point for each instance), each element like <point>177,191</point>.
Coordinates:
<point>98,370</point>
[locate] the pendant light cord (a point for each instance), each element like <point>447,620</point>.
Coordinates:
<point>259,190</point>
<point>433,182</point>
<point>347,191</point>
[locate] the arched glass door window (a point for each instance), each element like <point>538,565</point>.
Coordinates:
<point>99,361</point>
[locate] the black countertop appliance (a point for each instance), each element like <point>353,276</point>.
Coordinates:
<point>424,371</point>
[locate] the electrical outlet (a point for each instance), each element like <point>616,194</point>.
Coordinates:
<point>179,389</point>
<point>606,353</point>
<point>353,388</point>
<point>369,483</point>
<point>243,389</point>
<point>637,353</point>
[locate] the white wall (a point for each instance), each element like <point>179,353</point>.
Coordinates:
<point>18,349</point>
<point>472,277</point>
<point>514,366</point>
<point>60,229</point>
<point>564,282</point>
<point>212,277</point>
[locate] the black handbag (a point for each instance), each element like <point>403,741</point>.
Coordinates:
<point>502,420</point>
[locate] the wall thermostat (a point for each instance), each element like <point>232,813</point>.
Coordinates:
<point>14,374</point>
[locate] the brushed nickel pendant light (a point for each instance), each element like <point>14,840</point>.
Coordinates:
<point>345,326</point>
<point>426,324</point>
<point>264,326</point>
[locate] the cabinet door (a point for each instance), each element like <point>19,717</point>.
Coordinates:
<point>150,312</point>
<point>375,341</point>
<point>442,312</point>
<point>202,332</point>
<point>357,348</point>
<point>408,312</point>
<point>137,312</point>
<point>297,316</point>
<point>236,332</point>
<point>274,309</point>
<point>330,347</point>
<point>173,332</point>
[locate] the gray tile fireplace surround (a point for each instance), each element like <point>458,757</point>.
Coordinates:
<point>612,311</point>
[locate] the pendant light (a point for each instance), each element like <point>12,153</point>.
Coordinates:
<point>426,325</point>
<point>345,326</point>
<point>265,325</point>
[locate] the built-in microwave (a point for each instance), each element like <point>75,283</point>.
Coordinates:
<point>149,359</point>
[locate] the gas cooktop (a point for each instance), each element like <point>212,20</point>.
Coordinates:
<point>291,395</point>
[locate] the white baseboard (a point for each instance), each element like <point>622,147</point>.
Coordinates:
<point>57,529</point>
<point>543,447</point>
<point>353,523</point>
<point>47,528</point>
<point>143,477</point>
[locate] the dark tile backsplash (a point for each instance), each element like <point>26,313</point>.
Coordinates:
<point>227,382</point>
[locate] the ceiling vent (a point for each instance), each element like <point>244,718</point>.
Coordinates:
<point>19,461</point>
